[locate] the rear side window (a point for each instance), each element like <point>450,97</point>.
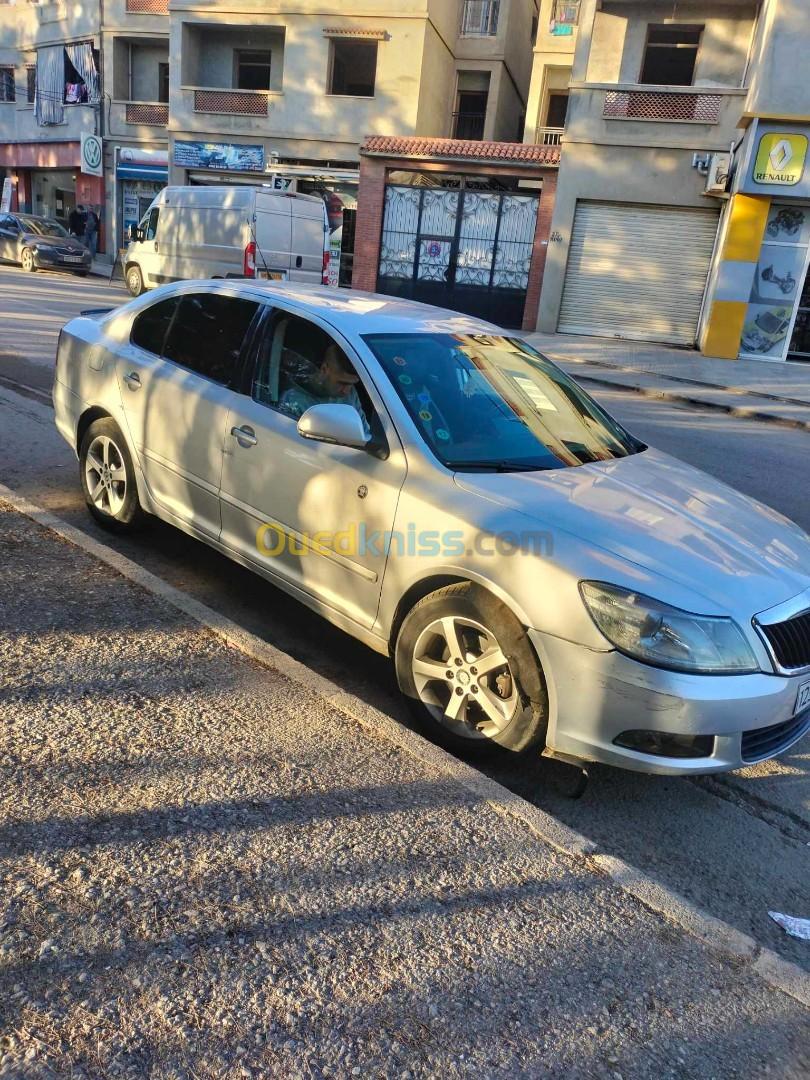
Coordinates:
<point>208,333</point>
<point>149,328</point>
<point>152,224</point>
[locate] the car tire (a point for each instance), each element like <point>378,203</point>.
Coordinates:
<point>27,261</point>
<point>457,704</point>
<point>135,285</point>
<point>108,478</point>
<point>82,273</point>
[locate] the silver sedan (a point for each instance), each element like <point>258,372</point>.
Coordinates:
<point>447,495</point>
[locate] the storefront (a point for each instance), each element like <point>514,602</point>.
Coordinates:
<point>761,294</point>
<point>139,175</point>
<point>241,163</point>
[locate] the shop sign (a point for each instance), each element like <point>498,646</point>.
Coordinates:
<point>233,157</point>
<point>92,162</point>
<point>5,198</point>
<point>780,159</point>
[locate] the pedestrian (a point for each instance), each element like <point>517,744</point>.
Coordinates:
<point>77,221</point>
<point>91,230</point>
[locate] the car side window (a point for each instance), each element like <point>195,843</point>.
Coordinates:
<point>150,327</point>
<point>299,365</point>
<point>152,224</point>
<point>208,333</point>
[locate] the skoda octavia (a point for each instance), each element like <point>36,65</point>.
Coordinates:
<point>443,492</point>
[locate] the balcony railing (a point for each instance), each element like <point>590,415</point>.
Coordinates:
<point>231,102</point>
<point>479,18</point>
<point>148,7</point>
<point>671,105</point>
<point>150,113</point>
<point>468,125</point>
<point>548,136</point>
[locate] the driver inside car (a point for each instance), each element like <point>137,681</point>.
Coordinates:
<point>334,382</point>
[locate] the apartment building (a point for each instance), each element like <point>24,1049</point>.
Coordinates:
<point>203,91</point>
<point>661,213</point>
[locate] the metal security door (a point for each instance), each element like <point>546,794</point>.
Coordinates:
<point>461,249</point>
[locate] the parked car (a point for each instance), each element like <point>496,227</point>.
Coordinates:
<point>40,243</point>
<point>450,497</point>
<point>228,232</point>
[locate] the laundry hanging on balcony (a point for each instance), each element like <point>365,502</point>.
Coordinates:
<point>66,74</point>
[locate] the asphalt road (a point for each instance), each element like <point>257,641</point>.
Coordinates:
<point>737,845</point>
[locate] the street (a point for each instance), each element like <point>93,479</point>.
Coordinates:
<point>736,845</point>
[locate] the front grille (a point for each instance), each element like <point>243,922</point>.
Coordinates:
<point>790,641</point>
<point>768,741</point>
<point>69,251</point>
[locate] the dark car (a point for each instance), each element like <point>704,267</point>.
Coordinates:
<point>39,243</point>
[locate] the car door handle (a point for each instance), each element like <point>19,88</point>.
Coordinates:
<point>133,380</point>
<point>245,436</point>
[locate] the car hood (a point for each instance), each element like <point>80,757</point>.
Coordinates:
<point>52,240</point>
<point>671,519</point>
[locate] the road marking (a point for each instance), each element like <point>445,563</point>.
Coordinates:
<point>717,935</point>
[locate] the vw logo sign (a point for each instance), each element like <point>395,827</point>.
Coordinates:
<point>92,155</point>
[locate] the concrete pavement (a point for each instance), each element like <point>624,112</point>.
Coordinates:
<point>210,870</point>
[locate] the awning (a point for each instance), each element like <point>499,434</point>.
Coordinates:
<point>130,171</point>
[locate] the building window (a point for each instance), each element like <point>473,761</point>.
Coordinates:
<point>252,70</point>
<point>352,67</point>
<point>479,18</point>
<point>670,55</point>
<point>470,115</point>
<point>163,82</point>
<point>7,84</point>
<point>31,82</point>
<point>557,110</point>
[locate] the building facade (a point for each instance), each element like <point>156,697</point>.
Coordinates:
<point>203,91</point>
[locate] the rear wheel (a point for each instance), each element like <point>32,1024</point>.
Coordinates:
<point>134,280</point>
<point>469,673</point>
<point>108,478</point>
<point>27,261</point>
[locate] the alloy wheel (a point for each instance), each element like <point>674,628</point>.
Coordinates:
<point>106,475</point>
<point>463,678</point>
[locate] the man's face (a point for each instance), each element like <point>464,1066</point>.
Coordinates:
<point>335,380</point>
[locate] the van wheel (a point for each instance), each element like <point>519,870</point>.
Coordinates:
<point>134,280</point>
<point>470,675</point>
<point>108,478</point>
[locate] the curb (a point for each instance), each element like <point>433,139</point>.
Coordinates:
<point>719,936</point>
<point>739,411</point>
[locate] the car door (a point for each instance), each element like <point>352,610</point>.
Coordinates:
<point>9,237</point>
<point>316,515</point>
<point>175,376</point>
<point>148,254</point>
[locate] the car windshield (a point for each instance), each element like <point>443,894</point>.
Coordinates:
<point>485,402</point>
<point>42,226</point>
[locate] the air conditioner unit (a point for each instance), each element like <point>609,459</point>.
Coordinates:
<point>717,174</point>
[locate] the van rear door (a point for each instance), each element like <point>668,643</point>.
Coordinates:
<point>273,234</point>
<point>308,240</point>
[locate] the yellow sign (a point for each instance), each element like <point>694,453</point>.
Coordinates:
<point>780,159</point>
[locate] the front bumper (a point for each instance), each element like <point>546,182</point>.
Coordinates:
<point>51,260</point>
<point>595,696</point>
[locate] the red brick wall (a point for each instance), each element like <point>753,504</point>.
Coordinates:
<point>368,225</point>
<point>540,249</point>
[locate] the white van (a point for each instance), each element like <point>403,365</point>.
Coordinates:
<point>228,232</point>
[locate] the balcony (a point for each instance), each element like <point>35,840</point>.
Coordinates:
<point>682,106</point>
<point>467,125</point>
<point>147,7</point>
<point>231,102</point>
<point>548,136</point>
<point>146,113</point>
<point>479,18</point>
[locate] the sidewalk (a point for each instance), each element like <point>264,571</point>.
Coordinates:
<point>210,870</point>
<point>754,389</point>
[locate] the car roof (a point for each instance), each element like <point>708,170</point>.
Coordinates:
<point>357,312</point>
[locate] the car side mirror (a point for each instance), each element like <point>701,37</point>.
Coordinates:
<point>135,233</point>
<point>338,424</point>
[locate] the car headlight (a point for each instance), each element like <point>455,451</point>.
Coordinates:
<point>665,636</point>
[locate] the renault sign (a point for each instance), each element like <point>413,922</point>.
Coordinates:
<point>777,160</point>
<point>92,156</point>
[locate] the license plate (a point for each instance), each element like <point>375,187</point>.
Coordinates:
<point>802,698</point>
<point>273,275</point>
<point>73,258</point>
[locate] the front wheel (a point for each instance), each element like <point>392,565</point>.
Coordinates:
<point>134,280</point>
<point>468,671</point>
<point>27,260</point>
<point>108,478</point>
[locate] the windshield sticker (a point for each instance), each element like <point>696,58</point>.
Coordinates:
<point>406,380</point>
<point>425,415</point>
<point>401,361</point>
<point>442,434</point>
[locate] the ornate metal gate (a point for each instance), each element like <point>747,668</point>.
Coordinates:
<point>461,249</point>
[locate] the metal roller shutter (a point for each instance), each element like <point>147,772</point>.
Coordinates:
<point>637,271</point>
